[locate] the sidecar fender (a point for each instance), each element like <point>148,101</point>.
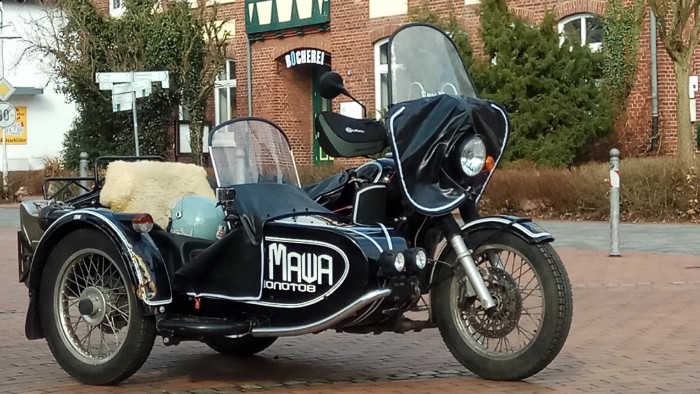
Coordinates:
<point>147,269</point>
<point>524,228</point>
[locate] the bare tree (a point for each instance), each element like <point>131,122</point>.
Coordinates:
<point>679,24</point>
<point>73,40</point>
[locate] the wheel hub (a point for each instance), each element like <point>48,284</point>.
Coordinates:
<point>504,317</point>
<point>93,305</point>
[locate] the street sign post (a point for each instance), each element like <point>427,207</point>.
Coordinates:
<point>8,117</point>
<point>126,87</point>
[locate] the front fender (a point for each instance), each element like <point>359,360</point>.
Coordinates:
<point>147,269</point>
<point>524,228</point>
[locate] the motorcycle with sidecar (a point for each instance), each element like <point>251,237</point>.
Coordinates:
<point>151,250</point>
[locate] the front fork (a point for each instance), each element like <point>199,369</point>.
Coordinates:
<point>453,234</point>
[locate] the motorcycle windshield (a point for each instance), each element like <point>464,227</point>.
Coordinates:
<point>434,110</point>
<point>251,150</point>
<point>424,62</point>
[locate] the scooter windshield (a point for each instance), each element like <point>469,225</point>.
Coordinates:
<point>424,62</point>
<point>251,150</point>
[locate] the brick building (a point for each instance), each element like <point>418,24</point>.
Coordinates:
<point>291,42</point>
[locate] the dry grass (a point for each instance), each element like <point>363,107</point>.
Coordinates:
<point>652,189</point>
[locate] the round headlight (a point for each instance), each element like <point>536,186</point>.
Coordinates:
<point>472,156</point>
<point>399,261</point>
<point>421,259</point>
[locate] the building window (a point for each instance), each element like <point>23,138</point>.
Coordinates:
<point>381,75</point>
<point>585,29</point>
<point>225,96</point>
<point>116,7</point>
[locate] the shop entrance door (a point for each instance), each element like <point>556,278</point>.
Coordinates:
<point>319,104</point>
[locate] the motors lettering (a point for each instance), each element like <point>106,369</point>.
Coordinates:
<point>299,272</point>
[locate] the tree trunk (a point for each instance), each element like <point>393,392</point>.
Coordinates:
<point>196,135</point>
<point>686,145</point>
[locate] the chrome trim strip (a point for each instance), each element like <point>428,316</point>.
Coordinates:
<point>325,323</point>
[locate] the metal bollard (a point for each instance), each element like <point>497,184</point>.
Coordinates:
<point>83,168</point>
<point>614,202</point>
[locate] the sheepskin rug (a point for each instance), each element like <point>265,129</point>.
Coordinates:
<point>152,187</point>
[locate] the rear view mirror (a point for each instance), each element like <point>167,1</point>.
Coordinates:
<point>331,85</point>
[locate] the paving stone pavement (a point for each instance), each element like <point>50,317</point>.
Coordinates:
<point>634,331</point>
<point>656,238</point>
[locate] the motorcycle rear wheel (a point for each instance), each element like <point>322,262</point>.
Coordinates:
<point>495,346</point>
<point>240,347</point>
<point>89,312</point>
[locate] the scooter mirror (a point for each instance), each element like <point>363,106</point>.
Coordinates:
<point>330,85</point>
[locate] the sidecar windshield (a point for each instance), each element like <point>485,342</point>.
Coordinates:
<point>251,150</point>
<point>424,62</point>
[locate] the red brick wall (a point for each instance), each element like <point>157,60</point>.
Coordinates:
<point>285,98</point>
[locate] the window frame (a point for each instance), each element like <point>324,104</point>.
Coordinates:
<point>226,85</point>
<point>380,69</point>
<point>582,16</point>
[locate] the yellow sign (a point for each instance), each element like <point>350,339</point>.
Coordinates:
<point>17,133</point>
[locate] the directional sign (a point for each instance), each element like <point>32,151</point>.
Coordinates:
<point>106,80</point>
<point>8,115</point>
<point>114,77</point>
<point>123,98</point>
<point>128,106</point>
<point>126,87</point>
<point>6,89</point>
<point>135,86</point>
<point>155,76</point>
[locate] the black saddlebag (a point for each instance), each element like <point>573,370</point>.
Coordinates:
<point>342,136</point>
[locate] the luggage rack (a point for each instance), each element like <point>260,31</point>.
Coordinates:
<point>96,180</point>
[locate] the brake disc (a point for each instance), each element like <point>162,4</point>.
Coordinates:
<point>500,321</point>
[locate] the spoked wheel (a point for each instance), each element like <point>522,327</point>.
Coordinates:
<point>531,320</point>
<point>89,311</point>
<point>240,347</point>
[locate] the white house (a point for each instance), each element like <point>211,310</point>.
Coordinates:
<point>43,116</point>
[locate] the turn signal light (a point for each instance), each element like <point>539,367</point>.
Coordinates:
<point>142,222</point>
<point>489,164</point>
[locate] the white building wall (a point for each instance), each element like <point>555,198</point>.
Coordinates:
<point>48,115</point>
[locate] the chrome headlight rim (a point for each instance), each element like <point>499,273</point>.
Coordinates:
<point>472,149</point>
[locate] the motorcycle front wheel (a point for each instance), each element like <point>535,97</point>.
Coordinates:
<point>534,304</point>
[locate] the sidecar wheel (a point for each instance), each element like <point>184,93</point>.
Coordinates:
<point>240,347</point>
<point>89,311</point>
<point>533,314</point>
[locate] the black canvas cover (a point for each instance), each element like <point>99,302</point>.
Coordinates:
<point>260,202</point>
<point>423,130</point>
<point>229,269</point>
